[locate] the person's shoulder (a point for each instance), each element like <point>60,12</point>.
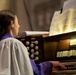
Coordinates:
<point>13,40</point>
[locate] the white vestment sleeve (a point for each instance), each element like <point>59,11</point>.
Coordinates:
<point>14,59</point>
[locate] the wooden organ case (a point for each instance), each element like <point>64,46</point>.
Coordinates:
<point>62,47</point>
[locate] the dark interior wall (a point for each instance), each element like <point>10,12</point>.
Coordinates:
<point>21,7</point>
<point>28,17</point>
<point>43,9</point>
<point>28,12</point>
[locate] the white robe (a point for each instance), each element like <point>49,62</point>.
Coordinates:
<point>14,59</point>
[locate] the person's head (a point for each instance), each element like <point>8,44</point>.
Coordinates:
<point>8,23</point>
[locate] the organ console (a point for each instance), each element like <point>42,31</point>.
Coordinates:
<point>60,47</point>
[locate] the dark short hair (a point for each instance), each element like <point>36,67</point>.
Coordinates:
<point>6,16</point>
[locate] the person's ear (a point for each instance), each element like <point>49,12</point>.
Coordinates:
<point>11,24</point>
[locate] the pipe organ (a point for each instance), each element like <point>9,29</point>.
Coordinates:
<point>60,47</point>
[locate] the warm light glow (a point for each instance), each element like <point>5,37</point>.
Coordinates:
<point>70,30</point>
<point>73,42</point>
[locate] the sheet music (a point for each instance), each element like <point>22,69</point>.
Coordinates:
<point>53,26</point>
<point>64,21</point>
<point>69,4</point>
<point>73,24</point>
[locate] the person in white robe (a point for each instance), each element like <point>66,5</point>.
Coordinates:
<point>14,59</point>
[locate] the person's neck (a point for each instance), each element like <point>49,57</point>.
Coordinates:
<point>11,33</point>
